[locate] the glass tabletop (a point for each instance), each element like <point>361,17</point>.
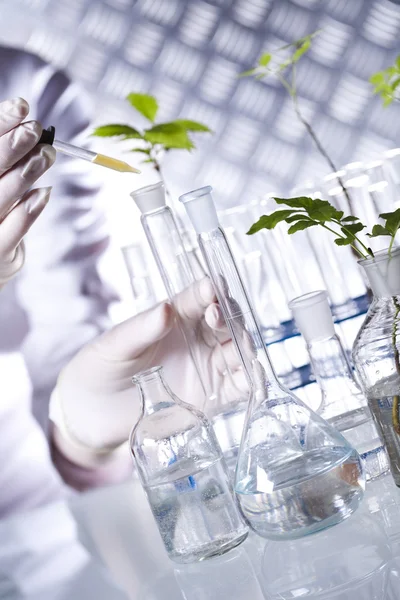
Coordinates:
<point>105,544</point>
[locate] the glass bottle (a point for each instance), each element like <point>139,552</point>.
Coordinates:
<point>295,473</point>
<point>376,351</point>
<point>184,475</point>
<point>343,404</point>
<point>177,271</point>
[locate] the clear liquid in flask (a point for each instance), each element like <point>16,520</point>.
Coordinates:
<point>194,511</point>
<point>304,497</point>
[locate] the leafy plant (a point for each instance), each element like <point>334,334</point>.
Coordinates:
<point>304,212</point>
<point>387,83</point>
<point>285,71</point>
<point>157,139</point>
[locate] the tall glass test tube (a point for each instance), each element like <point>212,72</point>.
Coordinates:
<point>177,272</point>
<point>295,473</point>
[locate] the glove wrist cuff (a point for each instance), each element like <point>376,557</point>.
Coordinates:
<point>74,449</point>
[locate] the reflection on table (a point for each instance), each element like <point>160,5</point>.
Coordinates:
<point>105,544</point>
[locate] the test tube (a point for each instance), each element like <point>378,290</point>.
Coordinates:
<point>161,230</point>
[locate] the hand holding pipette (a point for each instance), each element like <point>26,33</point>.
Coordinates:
<point>76,152</point>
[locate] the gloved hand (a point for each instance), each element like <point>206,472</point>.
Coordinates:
<point>21,164</point>
<point>95,405</point>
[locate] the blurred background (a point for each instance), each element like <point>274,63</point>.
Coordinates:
<point>189,53</point>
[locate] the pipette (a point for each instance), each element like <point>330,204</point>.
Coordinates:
<point>97,159</point>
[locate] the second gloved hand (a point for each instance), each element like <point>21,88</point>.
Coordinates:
<point>95,400</point>
<point>21,164</point>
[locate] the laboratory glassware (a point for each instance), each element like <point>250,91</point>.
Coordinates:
<point>142,287</point>
<point>295,473</point>
<point>76,152</point>
<point>376,351</point>
<point>342,403</point>
<point>184,475</point>
<point>177,271</point>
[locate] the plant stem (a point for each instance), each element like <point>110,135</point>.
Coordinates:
<point>315,138</point>
<point>391,245</point>
<point>181,225</point>
<point>368,250</point>
<point>357,250</point>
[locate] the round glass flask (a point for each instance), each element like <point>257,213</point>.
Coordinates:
<point>184,475</point>
<point>295,473</point>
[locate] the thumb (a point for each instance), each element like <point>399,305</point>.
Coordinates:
<point>128,340</point>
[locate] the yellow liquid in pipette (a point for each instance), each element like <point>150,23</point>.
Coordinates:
<point>113,163</point>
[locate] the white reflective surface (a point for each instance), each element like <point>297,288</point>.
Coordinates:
<point>106,545</point>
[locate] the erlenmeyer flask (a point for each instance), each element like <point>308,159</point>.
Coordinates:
<point>343,404</point>
<point>295,473</point>
<point>184,475</point>
<point>177,272</point>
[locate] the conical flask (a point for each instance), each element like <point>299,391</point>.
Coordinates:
<point>295,473</point>
<point>184,475</point>
<point>225,409</point>
<point>343,404</point>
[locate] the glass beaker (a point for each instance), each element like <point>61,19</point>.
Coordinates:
<point>295,473</point>
<point>343,404</point>
<point>184,475</point>
<point>376,351</point>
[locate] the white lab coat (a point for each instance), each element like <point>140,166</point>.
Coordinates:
<point>57,302</point>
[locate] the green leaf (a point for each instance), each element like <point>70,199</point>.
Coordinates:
<point>377,78</point>
<point>169,135</point>
<point>115,130</point>
<point>302,49</point>
<point>397,62</point>
<point>189,125</point>
<point>322,211</point>
<point>392,221</point>
<point>141,151</point>
<point>303,224</point>
<point>248,73</point>
<point>343,241</point>
<point>349,218</point>
<point>145,104</point>
<point>297,217</point>
<point>270,221</point>
<point>148,160</point>
<point>265,59</point>
<point>395,83</point>
<point>300,202</point>
<point>352,228</point>
<point>378,230</point>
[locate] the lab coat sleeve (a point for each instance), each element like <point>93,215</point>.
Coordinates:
<point>60,289</point>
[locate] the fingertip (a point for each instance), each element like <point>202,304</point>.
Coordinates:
<point>206,291</point>
<point>22,105</point>
<point>214,317</point>
<point>48,152</point>
<point>166,316</point>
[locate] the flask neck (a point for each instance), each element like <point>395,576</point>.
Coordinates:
<point>154,392</point>
<point>383,272</point>
<point>238,311</point>
<point>333,371</point>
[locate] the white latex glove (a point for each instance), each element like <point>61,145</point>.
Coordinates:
<point>95,404</point>
<point>21,164</point>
